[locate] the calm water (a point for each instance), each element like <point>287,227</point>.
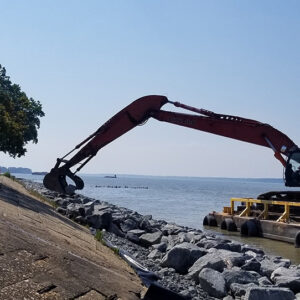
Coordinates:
<point>183,200</point>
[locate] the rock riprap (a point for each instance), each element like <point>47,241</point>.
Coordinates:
<point>195,264</point>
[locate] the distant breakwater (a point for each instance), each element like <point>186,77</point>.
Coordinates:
<point>122,187</point>
<point>192,263</point>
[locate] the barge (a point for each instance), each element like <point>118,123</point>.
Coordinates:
<point>268,218</point>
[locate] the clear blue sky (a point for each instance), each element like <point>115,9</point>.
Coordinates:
<point>86,60</point>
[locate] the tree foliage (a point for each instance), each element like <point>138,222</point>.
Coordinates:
<point>19,117</point>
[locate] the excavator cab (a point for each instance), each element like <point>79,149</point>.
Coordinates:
<point>292,170</point>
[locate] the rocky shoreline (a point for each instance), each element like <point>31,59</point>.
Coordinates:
<point>192,263</point>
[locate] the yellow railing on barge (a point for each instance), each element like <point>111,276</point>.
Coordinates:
<point>264,214</point>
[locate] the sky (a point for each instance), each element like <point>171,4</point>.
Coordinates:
<point>86,60</point>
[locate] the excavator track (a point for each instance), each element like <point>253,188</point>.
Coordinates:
<point>292,196</point>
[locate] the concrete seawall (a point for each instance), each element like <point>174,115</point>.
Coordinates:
<point>44,255</point>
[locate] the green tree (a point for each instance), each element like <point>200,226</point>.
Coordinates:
<point>19,117</point>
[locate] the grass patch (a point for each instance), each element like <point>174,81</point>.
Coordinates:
<point>99,236</point>
<point>116,251</point>
<point>8,175</point>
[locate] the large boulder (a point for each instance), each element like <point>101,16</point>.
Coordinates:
<point>239,290</point>
<point>269,264</point>
<point>101,220</point>
<point>89,208</point>
<point>62,202</point>
<point>149,239</point>
<point>237,275</point>
<point>128,225</point>
<point>137,232</point>
<point>132,237</point>
<point>232,259</point>
<point>74,210</point>
<point>246,248</point>
<point>292,283</point>
<point>235,247</point>
<point>210,260</point>
<point>170,229</point>
<point>181,257</point>
<point>155,254</point>
<point>101,207</point>
<point>251,265</point>
<point>282,271</point>
<point>212,282</point>
<point>264,281</point>
<point>145,223</point>
<point>162,247</point>
<point>287,277</point>
<point>269,293</point>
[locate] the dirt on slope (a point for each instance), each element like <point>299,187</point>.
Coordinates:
<point>44,255</point>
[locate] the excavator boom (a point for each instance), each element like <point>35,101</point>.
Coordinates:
<point>142,109</point>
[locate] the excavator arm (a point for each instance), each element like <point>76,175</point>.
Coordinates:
<point>139,111</point>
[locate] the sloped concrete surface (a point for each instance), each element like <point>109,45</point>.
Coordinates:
<point>44,255</point>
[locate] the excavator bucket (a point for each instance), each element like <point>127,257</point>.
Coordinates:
<point>56,181</point>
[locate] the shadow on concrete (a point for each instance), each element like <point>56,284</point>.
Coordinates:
<point>18,199</point>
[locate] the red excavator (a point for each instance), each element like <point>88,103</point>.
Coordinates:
<point>142,109</point>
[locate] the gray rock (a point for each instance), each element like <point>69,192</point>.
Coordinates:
<point>185,237</point>
<point>81,220</point>
<point>236,275</point>
<point>251,265</point>
<point>132,237</point>
<point>101,220</point>
<point>155,225</point>
<point>186,294</point>
<point>269,293</point>
<point>211,260</point>
<point>61,210</point>
<point>235,247</point>
<point>181,257</point>
<point>239,290</point>
<point>292,283</point>
<point>128,225</point>
<point>170,229</point>
<point>232,259</point>
<point>251,253</point>
<point>166,271</point>
<point>74,210</point>
<point>282,271</point>
<point>74,200</point>
<point>145,225</point>
<point>118,218</point>
<point>228,298</point>
<point>61,202</point>
<point>297,296</point>
<point>171,240</point>
<point>88,208</point>
<point>246,248</point>
<point>154,254</point>
<point>85,200</point>
<point>197,237</point>
<point>137,232</point>
<point>162,247</point>
<point>101,208</point>
<point>269,265</point>
<point>264,281</point>
<point>149,239</point>
<point>212,282</point>
<point>115,229</point>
